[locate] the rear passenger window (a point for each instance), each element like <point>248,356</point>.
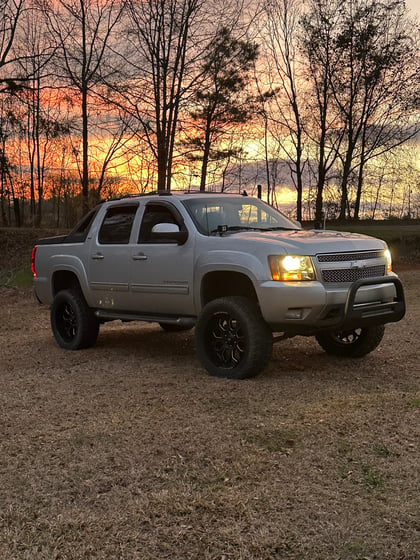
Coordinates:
<point>117,224</point>
<point>81,230</point>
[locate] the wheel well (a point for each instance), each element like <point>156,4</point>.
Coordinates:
<point>226,283</point>
<point>63,280</point>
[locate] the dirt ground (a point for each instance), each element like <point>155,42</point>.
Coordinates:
<point>129,450</point>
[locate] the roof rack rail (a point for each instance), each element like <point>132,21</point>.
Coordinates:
<point>140,194</point>
<point>171,193</point>
<point>196,191</point>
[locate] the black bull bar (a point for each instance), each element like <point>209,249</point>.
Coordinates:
<point>367,314</point>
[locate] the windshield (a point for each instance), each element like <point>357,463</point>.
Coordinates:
<point>227,214</point>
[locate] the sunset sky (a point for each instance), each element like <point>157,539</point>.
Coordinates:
<point>414,5</point>
<point>118,156</point>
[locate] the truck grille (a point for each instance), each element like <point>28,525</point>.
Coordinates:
<point>352,274</point>
<point>342,257</point>
<point>349,267</point>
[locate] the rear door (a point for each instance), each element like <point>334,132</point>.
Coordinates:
<point>110,258</point>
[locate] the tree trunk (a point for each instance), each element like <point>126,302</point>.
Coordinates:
<point>40,178</point>
<point>299,182</point>
<point>162,161</point>
<point>319,202</point>
<point>345,179</point>
<point>359,191</point>
<point>85,150</point>
<point>206,153</point>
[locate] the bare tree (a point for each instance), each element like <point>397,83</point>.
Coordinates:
<point>41,118</point>
<point>11,11</point>
<point>83,30</point>
<point>114,148</point>
<point>319,26</point>
<point>286,93</point>
<point>164,48</point>
<point>220,100</point>
<point>380,97</point>
<point>364,68</point>
<point>17,62</point>
<point>7,130</point>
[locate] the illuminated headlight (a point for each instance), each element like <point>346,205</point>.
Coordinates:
<point>387,255</point>
<point>290,268</point>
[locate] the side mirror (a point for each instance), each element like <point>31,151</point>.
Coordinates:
<point>168,233</point>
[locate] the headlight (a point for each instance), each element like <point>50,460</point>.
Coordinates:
<point>387,255</point>
<point>290,268</point>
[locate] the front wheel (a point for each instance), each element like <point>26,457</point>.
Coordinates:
<point>232,338</point>
<point>73,323</point>
<point>351,343</point>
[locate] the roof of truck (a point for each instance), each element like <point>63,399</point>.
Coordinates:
<point>178,194</point>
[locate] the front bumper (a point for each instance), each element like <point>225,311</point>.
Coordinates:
<point>307,308</point>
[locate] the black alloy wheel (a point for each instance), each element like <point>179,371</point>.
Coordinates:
<point>232,338</point>
<point>351,343</point>
<point>73,323</point>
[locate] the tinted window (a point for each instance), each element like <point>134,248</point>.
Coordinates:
<point>155,214</point>
<point>79,233</point>
<point>235,214</point>
<point>117,224</point>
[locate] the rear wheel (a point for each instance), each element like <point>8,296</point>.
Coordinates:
<point>73,323</point>
<point>351,343</point>
<point>232,338</point>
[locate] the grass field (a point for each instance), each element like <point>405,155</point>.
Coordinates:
<point>129,450</point>
<point>15,254</point>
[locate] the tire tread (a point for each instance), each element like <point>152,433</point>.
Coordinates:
<point>258,335</point>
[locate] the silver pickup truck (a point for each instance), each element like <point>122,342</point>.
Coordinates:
<point>231,266</point>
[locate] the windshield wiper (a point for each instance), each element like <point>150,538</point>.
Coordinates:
<point>246,228</point>
<point>281,228</point>
<point>225,228</point>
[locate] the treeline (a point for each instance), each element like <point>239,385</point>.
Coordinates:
<point>99,97</point>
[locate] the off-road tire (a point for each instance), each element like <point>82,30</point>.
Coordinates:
<point>232,338</point>
<point>352,343</point>
<point>73,323</point>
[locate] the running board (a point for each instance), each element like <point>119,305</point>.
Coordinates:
<point>123,316</point>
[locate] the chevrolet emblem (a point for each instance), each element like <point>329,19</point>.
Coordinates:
<point>358,264</point>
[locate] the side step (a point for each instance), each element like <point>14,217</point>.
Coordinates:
<point>126,316</point>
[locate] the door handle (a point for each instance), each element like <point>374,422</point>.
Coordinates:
<point>140,257</point>
<point>97,256</point>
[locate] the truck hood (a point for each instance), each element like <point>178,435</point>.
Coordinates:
<point>313,242</point>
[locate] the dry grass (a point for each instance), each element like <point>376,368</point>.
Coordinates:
<point>130,451</point>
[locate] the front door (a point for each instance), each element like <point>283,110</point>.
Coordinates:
<point>161,279</point>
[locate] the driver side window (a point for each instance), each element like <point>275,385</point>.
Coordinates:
<point>155,214</point>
